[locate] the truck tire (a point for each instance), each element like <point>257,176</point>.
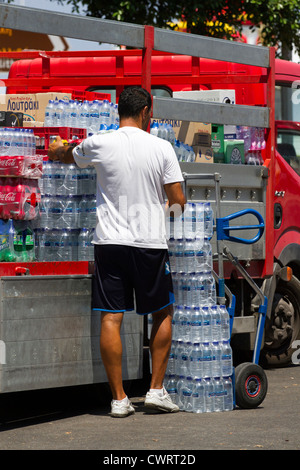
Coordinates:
<point>283,326</point>
<point>251,385</point>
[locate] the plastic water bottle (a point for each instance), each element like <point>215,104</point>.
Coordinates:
<point>225,323</point>
<point>186,287</point>
<point>55,212</point>
<point>196,360</point>
<point>179,255</point>
<point>171,362</point>
<point>64,251</point>
<point>178,279</point>
<point>175,323</point>
<point>198,396</point>
<point>196,325</point>
<point>94,117</point>
<point>48,121</point>
<point>172,258</point>
<point>61,114</point>
<point>187,394</point>
<point>70,212</point>
<point>209,286</point>
<point>206,324</point>
<point>209,395</point>
<point>215,323</point>
<point>219,394</point>
<point>178,357</point>
<point>208,220</point>
<point>44,208</point>
<point>228,393</point>
<point>84,245</point>
<point>195,298</point>
<point>189,256</point>
<point>72,179</point>
<point>171,387</point>
<point>207,255</point>
<point>179,397</point>
<point>189,220</point>
<point>105,113</point>
<point>207,360</point>
<point>84,114</point>
<point>216,370</point>
<point>47,187</point>
<point>72,117</point>
<point>226,359</point>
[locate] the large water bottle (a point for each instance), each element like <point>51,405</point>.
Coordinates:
<point>179,397</point>
<point>207,255</point>
<point>44,208</point>
<point>72,117</point>
<point>84,114</point>
<point>225,323</point>
<point>48,121</point>
<point>189,220</point>
<point>228,393</point>
<point>64,251</point>
<point>186,287</point>
<point>219,394</point>
<point>72,179</point>
<point>226,359</point>
<point>215,323</point>
<point>207,360</point>
<point>196,360</point>
<point>94,117</point>
<point>208,220</point>
<point>84,245</point>
<point>206,324</point>
<point>83,212</point>
<point>55,212</point>
<point>58,178</point>
<point>196,325</point>
<point>7,137</point>
<point>105,113</point>
<point>171,387</point>
<point>178,357</point>
<point>178,280</point>
<point>70,212</point>
<point>171,249</point>
<point>14,143</point>
<point>209,395</point>
<point>189,256</point>
<point>198,396</point>
<point>47,186</point>
<point>61,114</point>
<point>171,362</point>
<point>187,395</point>
<point>195,299</point>
<point>209,285</point>
<point>216,359</point>
<point>179,255</point>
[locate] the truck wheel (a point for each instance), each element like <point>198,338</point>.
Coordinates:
<point>251,385</point>
<point>283,328</point>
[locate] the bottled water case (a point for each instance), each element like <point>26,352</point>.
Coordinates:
<point>199,371</point>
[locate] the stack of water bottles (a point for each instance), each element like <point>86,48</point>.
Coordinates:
<point>94,116</point>
<point>164,130</point>
<point>68,213</point>
<point>199,371</point>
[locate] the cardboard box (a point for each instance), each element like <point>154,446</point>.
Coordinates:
<point>195,133</point>
<point>31,105</point>
<point>216,96</point>
<point>203,154</point>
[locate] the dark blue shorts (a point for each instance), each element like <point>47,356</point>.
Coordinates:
<point>124,272</point>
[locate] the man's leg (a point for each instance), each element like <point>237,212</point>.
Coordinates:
<point>160,344</point>
<point>111,351</point>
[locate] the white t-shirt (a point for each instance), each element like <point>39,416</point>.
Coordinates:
<point>132,166</point>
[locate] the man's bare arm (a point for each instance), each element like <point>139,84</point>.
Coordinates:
<point>175,194</point>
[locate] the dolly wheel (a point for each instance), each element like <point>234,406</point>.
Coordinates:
<point>251,385</point>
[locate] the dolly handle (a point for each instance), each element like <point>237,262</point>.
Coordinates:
<point>223,228</point>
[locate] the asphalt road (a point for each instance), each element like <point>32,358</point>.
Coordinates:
<point>75,419</point>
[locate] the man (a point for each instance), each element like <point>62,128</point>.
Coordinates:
<point>133,168</point>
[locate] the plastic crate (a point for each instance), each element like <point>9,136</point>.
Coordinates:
<point>90,95</point>
<point>45,135</point>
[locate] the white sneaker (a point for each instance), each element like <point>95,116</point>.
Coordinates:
<point>164,403</point>
<point>121,409</point>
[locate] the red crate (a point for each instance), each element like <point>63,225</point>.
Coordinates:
<point>47,133</point>
<point>90,96</point>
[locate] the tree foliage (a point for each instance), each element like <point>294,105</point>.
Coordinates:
<point>279,20</point>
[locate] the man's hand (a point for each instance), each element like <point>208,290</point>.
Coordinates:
<point>58,151</point>
<point>53,152</point>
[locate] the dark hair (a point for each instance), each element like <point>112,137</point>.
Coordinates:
<point>132,100</point>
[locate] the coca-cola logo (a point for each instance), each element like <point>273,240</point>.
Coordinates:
<point>8,163</point>
<point>10,197</point>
